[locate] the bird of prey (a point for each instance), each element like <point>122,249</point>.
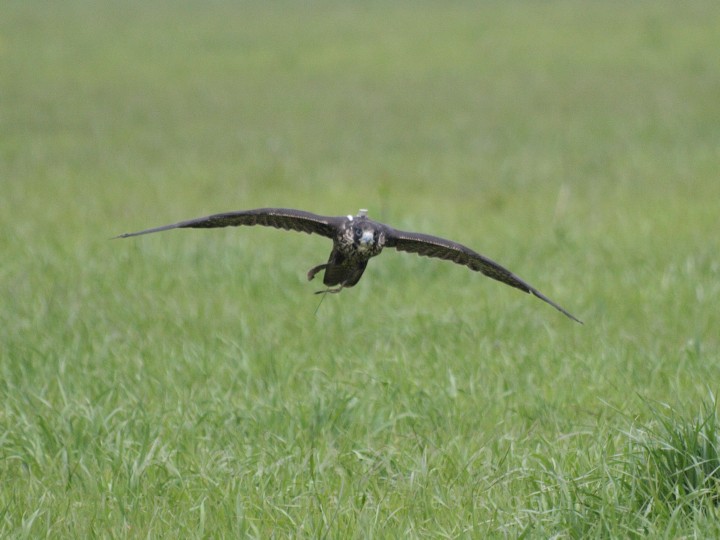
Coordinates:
<point>356,239</point>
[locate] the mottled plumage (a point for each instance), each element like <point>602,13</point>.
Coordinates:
<point>356,239</point>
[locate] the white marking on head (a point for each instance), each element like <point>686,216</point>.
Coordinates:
<point>367,238</point>
<point>349,217</point>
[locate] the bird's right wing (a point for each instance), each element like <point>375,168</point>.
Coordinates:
<point>426,245</point>
<point>280,218</point>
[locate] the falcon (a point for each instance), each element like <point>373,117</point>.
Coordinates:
<point>356,239</point>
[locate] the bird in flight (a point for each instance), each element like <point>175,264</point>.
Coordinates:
<point>356,239</point>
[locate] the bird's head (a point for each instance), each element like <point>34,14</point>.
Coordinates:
<point>365,236</point>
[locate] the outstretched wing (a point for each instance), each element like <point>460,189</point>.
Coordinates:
<point>280,218</point>
<point>432,246</point>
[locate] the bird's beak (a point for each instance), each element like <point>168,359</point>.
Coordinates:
<point>367,238</point>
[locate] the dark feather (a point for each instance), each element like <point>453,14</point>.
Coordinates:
<point>280,218</point>
<point>426,245</point>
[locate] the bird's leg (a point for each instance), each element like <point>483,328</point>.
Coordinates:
<point>336,290</point>
<point>314,270</point>
<point>324,292</point>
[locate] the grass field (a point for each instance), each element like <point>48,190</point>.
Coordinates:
<point>181,386</point>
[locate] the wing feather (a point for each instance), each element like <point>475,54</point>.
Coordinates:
<point>280,218</point>
<point>426,245</point>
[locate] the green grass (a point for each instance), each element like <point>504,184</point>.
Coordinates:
<point>179,385</point>
<point>676,465</point>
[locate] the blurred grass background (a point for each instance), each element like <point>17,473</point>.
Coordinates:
<point>180,384</point>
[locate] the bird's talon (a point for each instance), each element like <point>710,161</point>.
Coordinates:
<point>314,270</point>
<point>333,291</point>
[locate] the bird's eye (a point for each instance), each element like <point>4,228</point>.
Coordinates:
<point>358,233</point>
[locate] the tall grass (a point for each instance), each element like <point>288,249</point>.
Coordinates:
<point>181,384</point>
<point>677,461</point>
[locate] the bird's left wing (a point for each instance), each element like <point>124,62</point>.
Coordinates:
<point>280,218</point>
<point>431,246</point>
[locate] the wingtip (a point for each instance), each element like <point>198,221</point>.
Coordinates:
<point>562,310</point>
<point>570,316</point>
<point>567,314</point>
